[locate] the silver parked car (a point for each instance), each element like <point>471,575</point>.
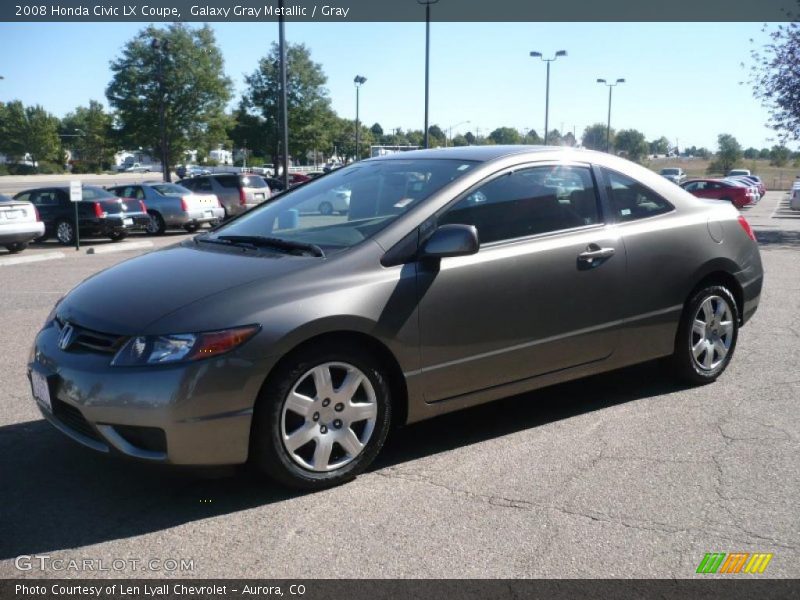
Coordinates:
<point>19,224</point>
<point>674,174</point>
<point>170,205</point>
<point>237,192</point>
<point>458,276</point>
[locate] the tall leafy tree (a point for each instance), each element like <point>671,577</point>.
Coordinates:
<point>633,143</point>
<point>29,130</point>
<point>89,132</point>
<point>779,156</point>
<point>660,146</point>
<point>728,153</point>
<point>185,72</point>
<point>312,123</point>
<point>594,137</point>
<point>377,130</point>
<point>776,79</point>
<point>505,135</point>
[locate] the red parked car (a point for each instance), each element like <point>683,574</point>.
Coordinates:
<point>719,189</point>
<point>295,178</point>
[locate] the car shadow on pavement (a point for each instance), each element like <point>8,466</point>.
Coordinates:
<point>58,495</point>
<point>777,238</point>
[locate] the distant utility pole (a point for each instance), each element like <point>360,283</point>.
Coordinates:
<point>427,4</point>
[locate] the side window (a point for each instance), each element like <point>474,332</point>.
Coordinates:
<point>690,187</point>
<point>188,183</point>
<point>229,181</point>
<point>44,198</point>
<point>632,200</point>
<point>24,197</point>
<point>528,202</point>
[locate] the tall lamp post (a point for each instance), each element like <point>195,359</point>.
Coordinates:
<point>358,81</point>
<point>161,48</point>
<point>608,127</point>
<point>450,130</point>
<point>547,89</point>
<point>427,4</point>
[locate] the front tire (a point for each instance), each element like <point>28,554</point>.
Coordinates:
<point>156,226</point>
<point>191,228</point>
<point>707,335</point>
<point>65,233</point>
<point>325,208</point>
<point>322,418</point>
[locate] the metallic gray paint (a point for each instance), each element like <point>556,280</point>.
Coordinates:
<point>515,316</point>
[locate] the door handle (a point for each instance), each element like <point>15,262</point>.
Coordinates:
<point>594,254</point>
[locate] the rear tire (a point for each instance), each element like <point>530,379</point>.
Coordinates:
<point>707,335</point>
<point>65,233</point>
<point>327,414</point>
<point>15,247</point>
<point>326,208</point>
<point>156,226</point>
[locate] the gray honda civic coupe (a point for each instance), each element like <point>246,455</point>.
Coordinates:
<point>295,340</point>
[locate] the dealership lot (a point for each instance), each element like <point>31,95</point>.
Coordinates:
<point>623,475</point>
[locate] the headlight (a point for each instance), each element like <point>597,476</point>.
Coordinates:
<point>165,349</point>
<point>52,314</point>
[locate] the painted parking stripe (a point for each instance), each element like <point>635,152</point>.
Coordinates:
<point>30,258</point>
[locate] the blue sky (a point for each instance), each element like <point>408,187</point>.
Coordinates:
<point>682,78</point>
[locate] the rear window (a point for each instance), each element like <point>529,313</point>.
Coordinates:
<point>669,171</point>
<point>228,181</point>
<point>252,181</point>
<point>96,193</point>
<point>170,189</point>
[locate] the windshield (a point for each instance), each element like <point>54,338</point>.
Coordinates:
<point>349,205</point>
<point>171,189</point>
<point>669,171</point>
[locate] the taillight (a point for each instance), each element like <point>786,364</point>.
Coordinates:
<point>36,212</point>
<point>184,205</point>
<point>747,229</point>
<point>143,206</point>
<point>242,197</point>
<point>98,211</point>
<point>216,200</point>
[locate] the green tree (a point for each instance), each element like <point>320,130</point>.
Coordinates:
<point>470,137</point>
<point>594,137</point>
<point>776,78</point>
<point>659,146</point>
<point>89,132</point>
<point>779,156</point>
<point>30,130</point>
<point>459,140</point>
<point>633,143</point>
<point>312,123</point>
<point>554,138</point>
<point>377,130</point>
<point>569,140</point>
<point>729,152</point>
<point>751,153</point>
<point>185,72</point>
<point>505,135</point>
<point>436,136</point>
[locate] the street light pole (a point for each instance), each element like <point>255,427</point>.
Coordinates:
<point>162,47</point>
<point>608,127</point>
<point>547,89</point>
<point>450,131</point>
<point>358,81</point>
<point>284,105</point>
<point>427,4</point>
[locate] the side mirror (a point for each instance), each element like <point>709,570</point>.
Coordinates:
<point>451,240</point>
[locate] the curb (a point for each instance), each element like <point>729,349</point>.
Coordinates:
<point>20,260</point>
<point>121,247</point>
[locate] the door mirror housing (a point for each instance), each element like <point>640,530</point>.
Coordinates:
<point>451,240</point>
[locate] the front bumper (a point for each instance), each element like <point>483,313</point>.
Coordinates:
<point>203,408</point>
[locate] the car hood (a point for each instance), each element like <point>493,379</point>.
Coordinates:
<point>130,296</point>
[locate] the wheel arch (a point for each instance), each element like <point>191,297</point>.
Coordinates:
<point>396,379</point>
<point>720,271</point>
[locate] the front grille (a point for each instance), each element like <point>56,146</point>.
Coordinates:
<point>72,418</point>
<point>95,341</point>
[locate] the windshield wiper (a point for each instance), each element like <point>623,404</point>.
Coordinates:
<point>259,241</point>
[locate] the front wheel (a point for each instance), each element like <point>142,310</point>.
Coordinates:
<point>191,228</point>
<point>322,418</point>
<point>326,208</point>
<point>65,233</point>
<point>707,335</point>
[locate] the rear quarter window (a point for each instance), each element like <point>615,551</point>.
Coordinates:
<point>632,200</point>
<point>228,181</point>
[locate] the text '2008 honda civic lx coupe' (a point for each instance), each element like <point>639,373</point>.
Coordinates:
<point>458,276</point>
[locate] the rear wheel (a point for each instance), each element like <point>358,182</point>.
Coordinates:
<point>321,418</point>
<point>707,335</point>
<point>15,247</point>
<point>156,226</point>
<point>191,228</point>
<point>326,208</point>
<point>65,233</point>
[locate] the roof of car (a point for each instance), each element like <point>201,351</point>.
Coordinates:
<point>478,153</point>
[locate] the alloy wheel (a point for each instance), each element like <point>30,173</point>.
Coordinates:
<point>712,333</point>
<point>65,232</point>
<point>328,417</point>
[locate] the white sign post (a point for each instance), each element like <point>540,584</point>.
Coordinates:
<point>75,196</point>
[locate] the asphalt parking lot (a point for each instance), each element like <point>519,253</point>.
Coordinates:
<point>625,474</point>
